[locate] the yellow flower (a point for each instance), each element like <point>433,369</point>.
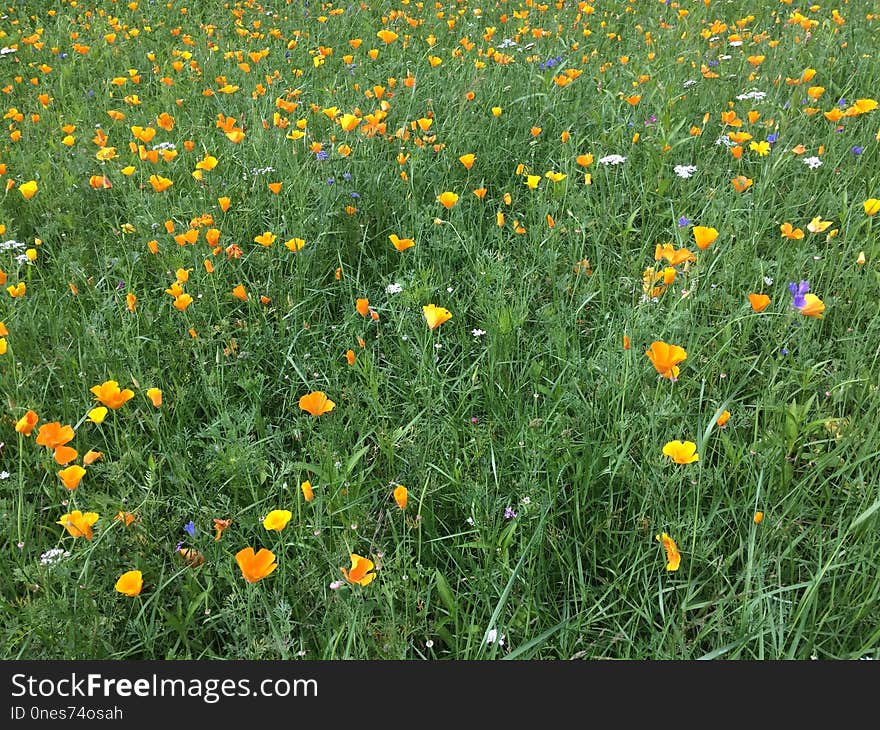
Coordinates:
<point>447,199</point>
<point>673,557</point>
<point>762,148</point>
<point>78,524</point>
<point>435,316</point>
<point>28,189</point>
<point>681,452</point>
<point>704,236</point>
<point>401,244</point>
<point>872,206</point>
<point>97,415</point>
<point>277,519</point>
<point>817,225</point>
<point>130,583</point>
<point>306,487</point>
<point>813,306</point>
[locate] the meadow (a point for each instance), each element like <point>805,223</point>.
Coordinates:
<point>440,330</point>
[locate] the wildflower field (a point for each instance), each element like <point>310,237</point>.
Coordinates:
<point>453,329</point>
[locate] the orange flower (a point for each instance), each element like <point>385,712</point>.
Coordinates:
<point>265,239</point>
<point>673,557</point>
<point>467,160</point>
<point>219,526</point>
<point>52,435</point>
<point>26,423</point>
<point>110,395</point>
<point>363,307</point>
<point>388,36</point>
<point>758,518</point>
<point>125,517</point>
<point>665,358</point>
<point>317,403</point>
<point>182,301</point>
<point>435,316</point>
<point>789,232</point>
<point>401,496</point>
<point>223,203</point>
<point>257,566</point>
<point>91,456</point>
<point>349,356</point>
<point>626,344</point>
<point>155,396</point>
<point>159,183</point>
<point>71,476</point>
<point>704,236</point>
<point>447,199</point>
<point>130,583</point>
<point>759,302</point>
<point>401,244</point>
<point>131,302</point>
<point>306,487</point>
<point>360,571</point>
<point>65,454</point>
<point>28,189</point>
<point>741,183</point>
<point>78,524</point>
<point>813,306</point>
<point>240,293</point>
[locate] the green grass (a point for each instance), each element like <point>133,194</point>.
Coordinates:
<point>545,413</point>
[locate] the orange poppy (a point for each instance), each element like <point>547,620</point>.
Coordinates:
<point>401,496</point>
<point>360,570</point>
<point>72,476</point>
<point>52,435</point>
<point>110,395</point>
<point>78,524</point>
<point>26,423</point>
<point>317,403</point>
<point>435,316</point>
<point>219,526</point>
<point>673,557</point>
<point>665,358</point>
<point>759,302</point>
<point>130,583</point>
<point>257,566</point>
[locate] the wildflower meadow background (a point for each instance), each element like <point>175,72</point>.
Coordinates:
<point>434,330</point>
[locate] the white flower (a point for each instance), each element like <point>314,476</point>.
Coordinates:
<point>689,83</point>
<point>768,280</point>
<point>4,474</point>
<point>477,332</point>
<point>685,171</point>
<point>725,140</point>
<point>53,556</point>
<point>753,94</point>
<point>812,162</point>
<point>612,160</point>
<point>394,288</point>
<point>491,636</point>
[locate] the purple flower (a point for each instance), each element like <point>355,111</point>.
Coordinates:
<point>650,120</point>
<point>354,195</point>
<point>178,546</point>
<point>771,138</point>
<point>320,155</point>
<point>190,527</point>
<point>842,102</point>
<point>856,150</point>
<point>797,292</point>
<point>783,351</point>
<point>346,176</point>
<point>509,514</point>
<point>330,181</point>
<point>683,222</point>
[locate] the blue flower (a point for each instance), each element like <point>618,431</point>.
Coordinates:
<point>771,138</point>
<point>856,150</point>
<point>320,155</point>
<point>190,527</point>
<point>797,293</point>
<point>682,222</point>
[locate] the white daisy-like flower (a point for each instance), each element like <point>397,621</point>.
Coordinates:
<point>394,288</point>
<point>685,171</point>
<point>612,160</point>
<point>725,140</point>
<point>812,162</point>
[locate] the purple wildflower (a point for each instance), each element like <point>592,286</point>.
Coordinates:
<point>509,514</point>
<point>856,150</point>
<point>683,222</point>
<point>797,292</point>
